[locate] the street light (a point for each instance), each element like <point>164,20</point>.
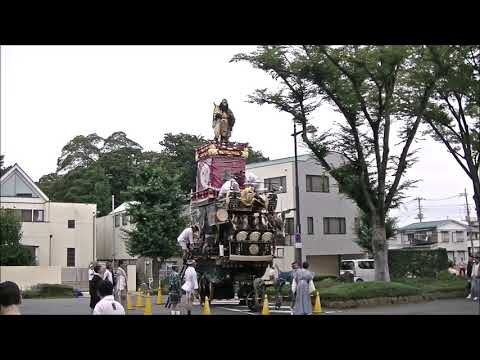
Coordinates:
<point>298,233</point>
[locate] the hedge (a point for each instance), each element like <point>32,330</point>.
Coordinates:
<point>368,290</point>
<point>426,263</point>
<point>48,291</point>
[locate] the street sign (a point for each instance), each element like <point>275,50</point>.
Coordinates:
<point>298,245</point>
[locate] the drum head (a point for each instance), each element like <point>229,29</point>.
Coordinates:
<point>255,236</point>
<point>241,236</point>
<point>222,215</point>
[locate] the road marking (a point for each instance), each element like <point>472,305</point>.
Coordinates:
<point>238,310</point>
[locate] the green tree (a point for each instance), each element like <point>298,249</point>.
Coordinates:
<point>372,87</point>
<point>179,151</point>
<point>120,166</point>
<point>80,151</point>
<point>453,113</point>
<point>255,156</point>
<point>12,253</point>
<point>158,214</point>
<point>3,170</point>
<point>364,230</point>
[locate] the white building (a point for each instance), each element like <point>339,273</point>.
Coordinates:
<point>448,234</point>
<point>327,215</point>
<point>58,234</point>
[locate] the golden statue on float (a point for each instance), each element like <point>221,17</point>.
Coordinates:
<point>223,121</point>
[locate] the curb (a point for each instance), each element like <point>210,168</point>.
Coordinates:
<point>390,300</point>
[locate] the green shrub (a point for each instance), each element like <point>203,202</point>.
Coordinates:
<point>367,290</point>
<point>48,291</point>
<point>428,285</point>
<point>417,262</point>
<point>324,277</point>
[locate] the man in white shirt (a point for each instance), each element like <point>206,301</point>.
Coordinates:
<point>269,278</point>
<point>90,272</point>
<point>121,285</point>
<point>186,239</point>
<point>228,185</point>
<point>107,305</point>
<point>107,275</point>
<point>190,287</point>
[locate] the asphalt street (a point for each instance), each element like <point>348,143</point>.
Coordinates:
<point>80,306</point>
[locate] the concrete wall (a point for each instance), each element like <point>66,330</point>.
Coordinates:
<point>288,257</point>
<point>27,276</point>
<point>324,265</point>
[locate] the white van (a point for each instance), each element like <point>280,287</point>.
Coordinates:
<point>362,269</point>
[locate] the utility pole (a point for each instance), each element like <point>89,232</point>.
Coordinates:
<point>113,231</point>
<point>468,219</point>
<point>298,232</point>
<point>420,214</point>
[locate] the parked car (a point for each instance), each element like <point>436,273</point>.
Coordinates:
<point>362,269</point>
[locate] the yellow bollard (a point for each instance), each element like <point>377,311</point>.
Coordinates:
<point>206,307</point>
<point>129,301</point>
<point>265,310</point>
<point>139,299</point>
<point>148,305</point>
<point>317,309</point>
<point>159,296</point>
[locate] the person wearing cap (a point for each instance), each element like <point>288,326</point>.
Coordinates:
<point>190,287</point>
<point>10,298</point>
<point>107,305</point>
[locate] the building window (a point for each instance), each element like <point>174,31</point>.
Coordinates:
<point>278,184</point>
<point>38,216</point>
<point>310,225</point>
<point>124,219</point>
<point>289,226</point>
<point>317,183</point>
<point>333,225</point>
<point>25,215</point>
<point>70,256</point>
<point>24,195</point>
<point>280,253</point>
<point>444,236</point>
<point>117,220</point>
<point>460,236</point>
<point>71,224</point>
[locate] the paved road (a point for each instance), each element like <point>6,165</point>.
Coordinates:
<point>80,306</point>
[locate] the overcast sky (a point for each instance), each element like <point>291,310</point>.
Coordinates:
<point>52,93</point>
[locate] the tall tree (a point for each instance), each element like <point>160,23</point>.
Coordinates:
<point>179,150</point>
<point>120,166</point>
<point>372,87</point>
<point>158,215</point>
<point>80,151</point>
<point>453,113</point>
<point>119,140</point>
<point>255,156</point>
<point>364,230</point>
<point>12,253</point>
<point>3,170</point>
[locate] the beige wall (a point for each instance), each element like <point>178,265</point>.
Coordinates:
<point>27,276</point>
<point>288,257</point>
<point>56,216</point>
<point>324,264</point>
<point>106,234</point>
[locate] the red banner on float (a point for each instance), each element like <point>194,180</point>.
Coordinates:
<point>215,170</point>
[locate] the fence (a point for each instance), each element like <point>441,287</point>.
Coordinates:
<point>76,277</point>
